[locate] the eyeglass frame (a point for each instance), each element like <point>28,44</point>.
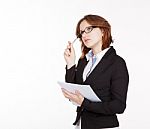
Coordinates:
<point>87,32</point>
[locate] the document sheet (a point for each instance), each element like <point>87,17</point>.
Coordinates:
<point>85,90</point>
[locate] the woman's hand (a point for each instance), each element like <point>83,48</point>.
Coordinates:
<point>69,55</point>
<point>75,97</point>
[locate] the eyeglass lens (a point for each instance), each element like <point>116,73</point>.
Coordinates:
<point>87,30</point>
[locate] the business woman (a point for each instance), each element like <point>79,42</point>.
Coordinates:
<point>100,67</point>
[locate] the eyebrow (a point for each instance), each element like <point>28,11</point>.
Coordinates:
<point>85,28</point>
<point>89,26</point>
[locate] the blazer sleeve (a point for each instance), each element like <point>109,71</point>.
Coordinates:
<point>70,74</point>
<point>118,89</point>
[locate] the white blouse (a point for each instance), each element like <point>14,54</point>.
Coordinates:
<point>98,57</point>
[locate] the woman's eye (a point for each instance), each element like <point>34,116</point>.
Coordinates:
<point>89,29</point>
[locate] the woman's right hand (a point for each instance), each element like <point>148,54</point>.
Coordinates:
<point>69,55</point>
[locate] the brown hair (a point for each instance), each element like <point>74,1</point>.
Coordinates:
<point>105,27</point>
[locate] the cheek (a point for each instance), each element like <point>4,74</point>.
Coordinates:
<point>98,37</point>
<point>100,34</point>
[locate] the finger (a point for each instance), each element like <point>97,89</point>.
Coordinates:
<point>65,91</point>
<point>69,42</point>
<point>68,49</point>
<point>68,93</point>
<point>67,52</point>
<point>77,92</point>
<point>69,46</point>
<point>67,96</point>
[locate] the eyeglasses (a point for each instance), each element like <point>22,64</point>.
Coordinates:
<point>87,30</point>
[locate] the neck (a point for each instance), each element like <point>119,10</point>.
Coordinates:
<point>96,50</point>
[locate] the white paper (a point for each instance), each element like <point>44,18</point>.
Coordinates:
<point>85,90</point>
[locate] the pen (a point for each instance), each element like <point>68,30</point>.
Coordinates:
<point>78,36</point>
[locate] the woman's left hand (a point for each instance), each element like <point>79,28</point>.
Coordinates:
<point>75,97</point>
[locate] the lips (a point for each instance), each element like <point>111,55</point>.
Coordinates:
<point>86,40</point>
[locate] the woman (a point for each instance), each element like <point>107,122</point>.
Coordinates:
<point>100,67</point>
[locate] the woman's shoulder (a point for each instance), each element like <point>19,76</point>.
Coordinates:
<point>117,57</point>
<point>119,61</point>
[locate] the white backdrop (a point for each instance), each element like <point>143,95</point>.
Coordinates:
<point>33,36</point>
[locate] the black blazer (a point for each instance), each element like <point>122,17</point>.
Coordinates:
<point>109,80</point>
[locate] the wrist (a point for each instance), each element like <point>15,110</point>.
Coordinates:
<point>70,65</point>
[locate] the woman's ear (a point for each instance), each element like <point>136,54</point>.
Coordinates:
<point>102,32</point>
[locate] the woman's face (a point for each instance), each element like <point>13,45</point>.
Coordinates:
<point>92,39</point>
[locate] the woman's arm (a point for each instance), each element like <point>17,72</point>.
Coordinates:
<point>69,55</point>
<point>70,74</point>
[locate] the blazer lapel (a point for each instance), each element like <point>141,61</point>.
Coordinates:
<point>104,63</point>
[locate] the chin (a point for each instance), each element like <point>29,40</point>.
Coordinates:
<point>88,45</point>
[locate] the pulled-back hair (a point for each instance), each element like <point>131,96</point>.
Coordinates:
<point>105,27</point>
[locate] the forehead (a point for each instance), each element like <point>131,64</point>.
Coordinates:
<point>84,24</point>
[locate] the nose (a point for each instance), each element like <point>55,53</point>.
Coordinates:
<point>83,34</point>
